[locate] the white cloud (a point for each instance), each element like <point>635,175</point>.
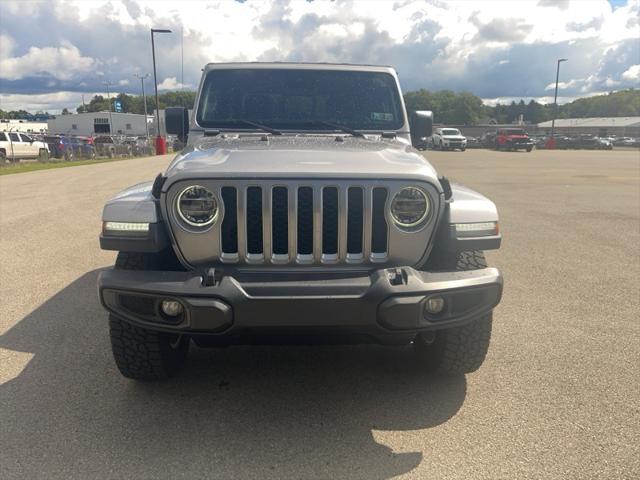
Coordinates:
<point>490,50</point>
<point>6,45</point>
<point>548,99</point>
<point>51,102</point>
<point>632,74</point>
<point>61,62</point>
<point>563,85</point>
<point>171,83</point>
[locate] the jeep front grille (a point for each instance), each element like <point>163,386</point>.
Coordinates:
<point>297,222</point>
<point>302,224</point>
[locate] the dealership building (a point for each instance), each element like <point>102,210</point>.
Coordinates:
<point>601,126</point>
<point>26,126</point>
<point>102,123</point>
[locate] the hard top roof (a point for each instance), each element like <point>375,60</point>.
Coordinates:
<point>302,65</point>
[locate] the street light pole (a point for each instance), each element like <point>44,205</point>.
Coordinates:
<point>552,141</point>
<point>161,145</point>
<point>144,100</point>
<point>107,84</point>
<point>13,155</point>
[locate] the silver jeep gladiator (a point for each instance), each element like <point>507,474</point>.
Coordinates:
<point>299,212</point>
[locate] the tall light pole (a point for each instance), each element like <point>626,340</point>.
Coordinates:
<point>552,141</point>
<point>161,145</point>
<point>107,84</point>
<point>13,156</point>
<point>144,100</point>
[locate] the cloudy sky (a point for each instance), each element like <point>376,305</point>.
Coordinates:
<point>53,52</point>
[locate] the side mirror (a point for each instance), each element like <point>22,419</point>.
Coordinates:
<point>176,120</point>
<point>421,123</point>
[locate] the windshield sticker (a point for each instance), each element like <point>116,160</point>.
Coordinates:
<point>381,116</point>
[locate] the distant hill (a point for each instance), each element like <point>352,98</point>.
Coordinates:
<point>467,109</point>
<point>625,103</point>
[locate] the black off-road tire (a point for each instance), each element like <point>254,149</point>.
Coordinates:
<point>457,350</point>
<point>165,260</point>
<point>140,353</point>
<point>143,354</point>
<point>137,261</point>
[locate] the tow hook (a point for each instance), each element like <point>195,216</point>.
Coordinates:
<point>209,278</point>
<point>397,276</point>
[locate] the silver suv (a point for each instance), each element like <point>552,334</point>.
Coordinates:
<point>299,210</point>
<point>449,139</point>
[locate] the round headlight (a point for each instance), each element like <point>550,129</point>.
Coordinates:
<point>197,206</point>
<point>410,206</point>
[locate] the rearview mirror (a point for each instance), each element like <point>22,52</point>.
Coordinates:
<point>421,124</point>
<point>176,120</point>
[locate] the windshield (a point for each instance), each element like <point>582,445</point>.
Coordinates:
<point>299,99</point>
<point>450,131</point>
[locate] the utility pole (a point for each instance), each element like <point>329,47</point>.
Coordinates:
<point>161,145</point>
<point>144,100</point>
<point>107,84</point>
<point>551,143</point>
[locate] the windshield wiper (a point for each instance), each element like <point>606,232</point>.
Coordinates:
<point>340,127</point>
<point>259,126</point>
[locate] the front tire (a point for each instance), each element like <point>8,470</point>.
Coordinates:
<point>143,354</point>
<point>140,353</point>
<point>457,350</point>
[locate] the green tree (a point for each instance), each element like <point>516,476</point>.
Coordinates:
<point>447,106</point>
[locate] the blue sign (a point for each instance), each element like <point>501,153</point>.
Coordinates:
<point>118,106</point>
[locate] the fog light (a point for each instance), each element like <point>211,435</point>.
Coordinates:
<point>171,308</point>
<point>434,305</point>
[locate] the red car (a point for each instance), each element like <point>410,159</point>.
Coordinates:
<point>513,139</point>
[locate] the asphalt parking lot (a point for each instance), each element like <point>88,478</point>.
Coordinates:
<point>558,396</point>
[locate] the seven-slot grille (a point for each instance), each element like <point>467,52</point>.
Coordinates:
<point>303,224</point>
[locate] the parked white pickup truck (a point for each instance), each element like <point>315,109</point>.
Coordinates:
<point>16,146</point>
<point>448,139</point>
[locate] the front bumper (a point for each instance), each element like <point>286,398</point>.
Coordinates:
<point>383,304</point>
<point>454,144</point>
<point>518,145</point>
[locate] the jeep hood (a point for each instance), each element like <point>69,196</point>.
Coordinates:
<point>302,156</point>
